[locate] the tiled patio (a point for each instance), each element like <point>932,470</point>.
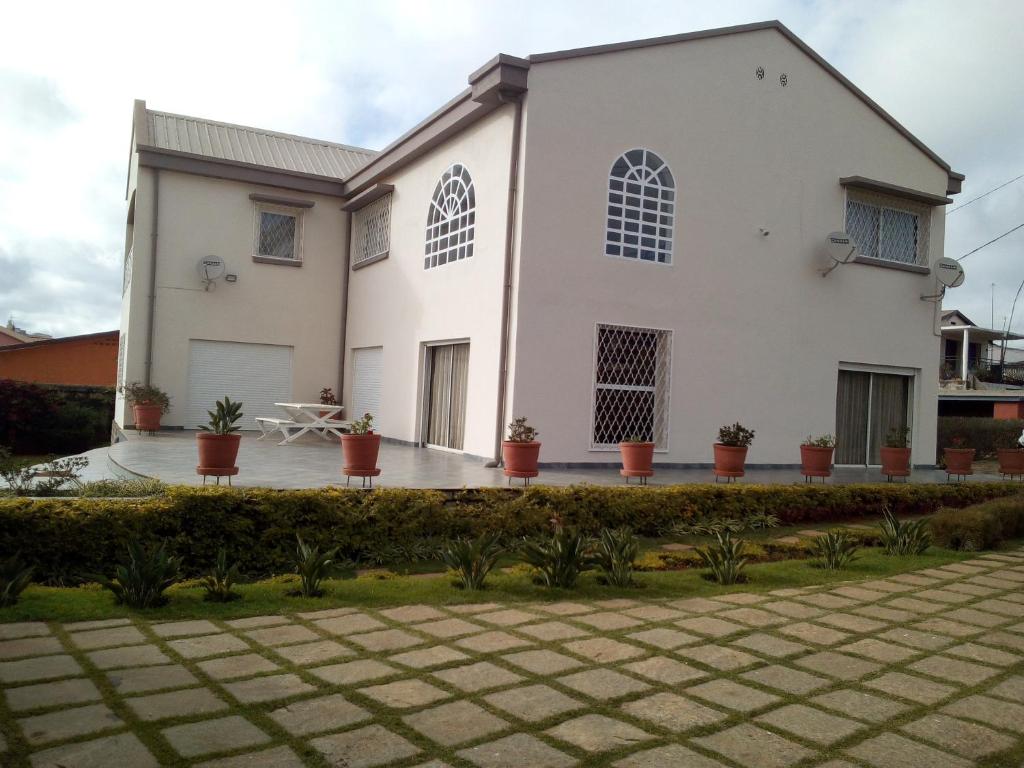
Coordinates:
<point>311,462</point>
<point>920,670</point>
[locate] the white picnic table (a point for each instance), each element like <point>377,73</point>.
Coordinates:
<point>303,417</point>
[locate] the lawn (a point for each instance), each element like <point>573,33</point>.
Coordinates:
<point>387,589</point>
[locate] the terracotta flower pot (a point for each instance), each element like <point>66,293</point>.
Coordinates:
<point>816,461</point>
<point>958,460</point>
<point>637,457</point>
<point>147,417</point>
<point>895,462</point>
<point>359,452</point>
<point>729,460</point>
<point>217,451</point>
<point>1011,461</point>
<point>520,459</point>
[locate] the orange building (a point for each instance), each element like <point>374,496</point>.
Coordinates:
<point>88,360</point>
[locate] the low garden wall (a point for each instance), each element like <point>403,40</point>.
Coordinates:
<point>68,539</point>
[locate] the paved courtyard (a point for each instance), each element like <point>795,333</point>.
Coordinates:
<point>920,670</point>
<point>311,462</point>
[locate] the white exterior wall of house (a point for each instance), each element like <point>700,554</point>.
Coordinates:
<point>758,334</point>
<point>398,305</point>
<point>299,307</point>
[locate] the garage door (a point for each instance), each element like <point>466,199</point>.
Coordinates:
<point>367,364</point>
<point>258,375</point>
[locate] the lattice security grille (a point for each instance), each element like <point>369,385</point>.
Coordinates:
<point>126,280</point>
<point>887,227</point>
<point>372,228</point>
<point>451,218</point>
<point>641,208</point>
<point>277,235</point>
<point>631,386</point>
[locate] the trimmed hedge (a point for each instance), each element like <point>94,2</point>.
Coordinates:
<point>981,434</point>
<point>67,538</point>
<point>981,526</point>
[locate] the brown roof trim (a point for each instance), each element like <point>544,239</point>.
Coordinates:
<point>954,178</point>
<point>367,196</point>
<point>886,188</point>
<point>287,201</point>
<point>170,160</point>
<point>112,335</point>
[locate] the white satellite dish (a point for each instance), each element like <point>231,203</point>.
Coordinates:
<point>949,273</point>
<point>841,248</point>
<point>210,268</point>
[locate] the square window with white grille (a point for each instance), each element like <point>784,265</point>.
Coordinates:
<point>888,228</point>
<point>632,372</point>
<point>278,232</point>
<point>371,231</point>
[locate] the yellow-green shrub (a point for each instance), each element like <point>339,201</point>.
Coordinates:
<point>66,537</point>
<point>981,526</point>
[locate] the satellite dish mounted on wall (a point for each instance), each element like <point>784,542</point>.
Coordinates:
<point>211,268</point>
<point>948,274</point>
<point>840,249</point>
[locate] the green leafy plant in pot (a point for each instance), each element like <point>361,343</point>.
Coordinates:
<point>816,456</point>
<point>521,452</point>
<point>637,457</point>
<point>959,459</point>
<point>731,450</point>
<point>218,440</point>
<point>360,448</point>
<point>896,453</point>
<point>148,403</point>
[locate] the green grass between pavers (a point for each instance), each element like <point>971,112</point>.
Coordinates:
<point>269,597</point>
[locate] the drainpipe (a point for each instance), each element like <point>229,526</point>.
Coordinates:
<point>148,378</point>
<point>345,275</point>
<point>506,301</point>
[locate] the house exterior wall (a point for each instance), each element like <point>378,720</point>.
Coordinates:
<point>400,306</point>
<point>759,336</point>
<point>88,361</point>
<point>269,304</point>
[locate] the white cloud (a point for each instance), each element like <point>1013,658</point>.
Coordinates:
<point>363,73</point>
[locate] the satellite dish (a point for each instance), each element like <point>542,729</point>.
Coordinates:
<point>949,273</point>
<point>210,268</point>
<point>841,248</point>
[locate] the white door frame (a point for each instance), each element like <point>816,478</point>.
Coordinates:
<point>912,400</point>
<point>425,368</point>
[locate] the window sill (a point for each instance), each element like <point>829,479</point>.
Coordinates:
<point>275,260</point>
<point>917,269</point>
<point>371,260</point>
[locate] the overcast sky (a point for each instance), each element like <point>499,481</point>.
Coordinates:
<point>364,72</point>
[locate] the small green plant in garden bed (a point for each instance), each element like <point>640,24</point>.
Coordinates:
<point>220,581</point>
<point>473,559</point>
<point>724,559</point>
<point>614,554</point>
<point>834,550</point>
<point>908,537</point>
<point>313,566</point>
<point>142,581</point>
<point>15,577</point>
<point>559,559</point>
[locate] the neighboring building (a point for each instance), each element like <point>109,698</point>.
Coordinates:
<point>10,334</point>
<point>87,360</point>
<point>616,241</point>
<point>971,359</point>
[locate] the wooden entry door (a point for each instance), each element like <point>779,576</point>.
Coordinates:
<point>448,375</point>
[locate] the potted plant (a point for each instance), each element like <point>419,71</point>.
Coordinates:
<point>896,453</point>
<point>148,404</point>
<point>1011,458</point>
<point>731,450</point>
<point>359,448</point>
<point>958,457</point>
<point>327,398</point>
<point>521,451</point>
<point>218,440</point>
<point>816,456</point>
<point>637,458</point>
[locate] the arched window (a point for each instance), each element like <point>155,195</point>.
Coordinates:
<point>641,208</point>
<point>451,218</point>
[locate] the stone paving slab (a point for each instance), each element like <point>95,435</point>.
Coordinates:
<point>210,736</point>
<point>96,753</point>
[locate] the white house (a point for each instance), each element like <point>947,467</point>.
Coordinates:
<point>612,241</point>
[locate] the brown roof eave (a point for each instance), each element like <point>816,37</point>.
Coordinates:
<point>113,335</point>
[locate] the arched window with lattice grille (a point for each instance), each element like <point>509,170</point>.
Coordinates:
<point>641,208</point>
<point>451,218</point>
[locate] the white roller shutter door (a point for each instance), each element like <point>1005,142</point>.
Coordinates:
<point>258,375</point>
<point>367,367</point>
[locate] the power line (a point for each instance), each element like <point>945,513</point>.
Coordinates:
<point>991,241</point>
<point>996,189</point>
